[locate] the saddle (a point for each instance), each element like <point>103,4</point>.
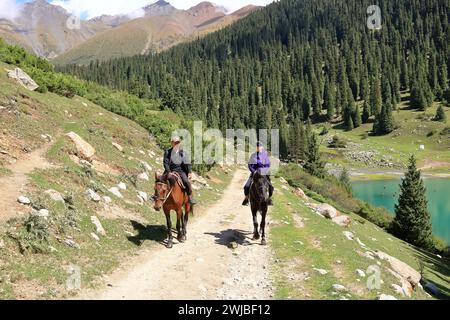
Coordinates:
<point>178,179</point>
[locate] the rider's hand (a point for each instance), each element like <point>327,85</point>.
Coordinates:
<point>190,176</point>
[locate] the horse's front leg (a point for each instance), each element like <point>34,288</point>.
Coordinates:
<point>263,226</point>
<point>255,224</point>
<point>179,225</point>
<point>169,230</point>
<point>187,211</point>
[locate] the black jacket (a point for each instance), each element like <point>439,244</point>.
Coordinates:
<point>177,162</point>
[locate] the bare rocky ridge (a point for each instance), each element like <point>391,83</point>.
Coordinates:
<point>48,30</point>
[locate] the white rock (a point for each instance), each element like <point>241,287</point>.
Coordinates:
<point>84,149</point>
<point>107,199</point>
<point>360,243</point>
<point>54,195</point>
<point>98,226</point>
<point>43,213</point>
<point>360,273</point>
<point>122,186</point>
<point>327,211</point>
<point>144,176</point>
<point>117,146</point>
<point>71,244</point>
<point>321,271</point>
<point>24,200</point>
<point>115,191</point>
<point>95,237</point>
<point>22,78</point>
<point>386,297</point>
<point>339,288</point>
<point>398,289</point>
<point>343,221</point>
<point>349,235</point>
<point>142,152</point>
<point>93,195</point>
<point>143,195</point>
<point>283,180</point>
<point>146,166</point>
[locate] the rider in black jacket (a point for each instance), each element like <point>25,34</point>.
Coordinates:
<point>177,160</point>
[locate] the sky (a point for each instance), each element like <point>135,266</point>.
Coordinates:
<point>87,9</point>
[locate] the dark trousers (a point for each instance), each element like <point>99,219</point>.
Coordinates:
<point>249,184</point>
<point>186,182</point>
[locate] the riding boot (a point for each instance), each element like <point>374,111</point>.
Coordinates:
<point>192,201</point>
<point>245,203</point>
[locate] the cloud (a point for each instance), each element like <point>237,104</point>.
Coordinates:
<point>9,9</point>
<point>95,8</point>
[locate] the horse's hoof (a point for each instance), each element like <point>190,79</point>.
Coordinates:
<point>263,242</point>
<point>255,237</point>
<point>169,245</point>
<point>180,239</point>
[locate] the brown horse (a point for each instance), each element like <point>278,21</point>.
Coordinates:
<point>171,197</point>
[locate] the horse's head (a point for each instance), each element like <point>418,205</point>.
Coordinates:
<point>261,186</point>
<point>161,192</point>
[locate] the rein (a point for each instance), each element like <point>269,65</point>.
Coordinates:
<point>164,199</point>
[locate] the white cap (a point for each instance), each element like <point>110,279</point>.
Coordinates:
<point>176,139</point>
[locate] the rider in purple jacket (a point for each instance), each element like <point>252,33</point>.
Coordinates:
<point>258,161</point>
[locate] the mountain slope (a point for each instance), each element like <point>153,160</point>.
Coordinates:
<point>299,61</point>
<point>160,29</point>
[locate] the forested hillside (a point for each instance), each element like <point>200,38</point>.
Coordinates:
<point>299,60</point>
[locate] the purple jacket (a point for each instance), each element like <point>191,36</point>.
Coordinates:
<point>259,161</point>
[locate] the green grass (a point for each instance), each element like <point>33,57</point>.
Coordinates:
<point>323,243</point>
<point>43,275</point>
<point>400,144</point>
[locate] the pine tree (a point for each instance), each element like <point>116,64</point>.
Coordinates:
<point>314,164</point>
<point>366,113</point>
<point>357,117</point>
<point>384,121</point>
<point>412,221</point>
<point>440,114</point>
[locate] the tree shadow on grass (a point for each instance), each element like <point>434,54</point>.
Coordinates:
<point>438,267</point>
<point>152,233</point>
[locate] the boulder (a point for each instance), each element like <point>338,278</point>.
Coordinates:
<point>93,195</point>
<point>22,78</point>
<point>115,191</point>
<point>199,179</point>
<point>54,195</point>
<point>122,186</point>
<point>84,149</point>
<point>24,200</point>
<point>327,211</point>
<point>117,146</point>
<point>343,221</point>
<point>98,226</point>
<point>402,269</point>
<point>300,193</point>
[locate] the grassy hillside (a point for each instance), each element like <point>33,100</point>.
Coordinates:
<point>391,152</point>
<point>304,241</point>
<point>36,252</point>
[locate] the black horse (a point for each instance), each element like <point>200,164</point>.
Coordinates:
<point>259,202</point>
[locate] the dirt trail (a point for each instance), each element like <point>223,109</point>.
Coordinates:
<point>14,185</point>
<point>203,267</point>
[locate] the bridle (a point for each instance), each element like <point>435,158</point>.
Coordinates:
<point>163,199</point>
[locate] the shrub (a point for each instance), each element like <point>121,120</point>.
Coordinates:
<point>337,142</point>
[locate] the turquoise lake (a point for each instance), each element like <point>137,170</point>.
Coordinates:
<point>385,193</point>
